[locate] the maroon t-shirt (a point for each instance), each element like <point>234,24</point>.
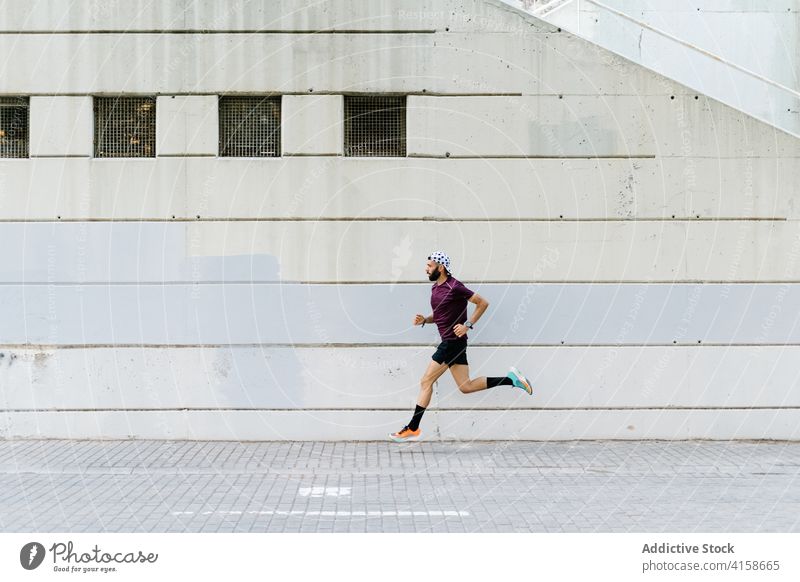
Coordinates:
<point>449,303</point>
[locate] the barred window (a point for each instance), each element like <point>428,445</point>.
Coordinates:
<point>125,127</point>
<point>374,125</point>
<point>250,126</point>
<point>13,127</point>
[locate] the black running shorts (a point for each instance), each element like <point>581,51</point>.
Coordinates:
<point>451,352</point>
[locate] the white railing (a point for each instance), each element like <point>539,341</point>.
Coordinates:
<point>666,54</point>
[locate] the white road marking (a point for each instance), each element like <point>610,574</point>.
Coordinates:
<point>323,491</point>
<point>333,513</point>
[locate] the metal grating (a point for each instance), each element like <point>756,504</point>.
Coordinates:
<point>250,127</point>
<point>125,127</point>
<point>13,127</point>
<point>374,126</point>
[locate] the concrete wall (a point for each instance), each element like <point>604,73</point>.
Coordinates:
<point>744,53</point>
<point>638,242</point>
<point>761,35</point>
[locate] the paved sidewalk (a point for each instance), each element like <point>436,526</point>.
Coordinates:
<point>177,486</point>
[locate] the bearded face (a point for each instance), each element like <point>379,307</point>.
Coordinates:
<point>435,273</point>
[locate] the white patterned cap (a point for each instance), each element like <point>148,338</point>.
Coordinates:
<point>442,259</point>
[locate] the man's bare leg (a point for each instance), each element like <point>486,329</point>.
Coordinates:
<point>461,376</point>
<point>411,431</point>
<point>433,373</point>
<point>513,378</point>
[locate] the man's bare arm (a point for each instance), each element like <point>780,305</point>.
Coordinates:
<point>480,306</point>
<point>420,319</point>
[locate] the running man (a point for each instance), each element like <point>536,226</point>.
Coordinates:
<point>449,299</point>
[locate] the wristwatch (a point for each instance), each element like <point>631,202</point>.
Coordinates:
<point>468,325</point>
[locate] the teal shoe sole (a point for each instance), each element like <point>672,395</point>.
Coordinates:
<point>520,381</point>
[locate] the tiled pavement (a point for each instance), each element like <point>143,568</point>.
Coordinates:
<point>179,486</point>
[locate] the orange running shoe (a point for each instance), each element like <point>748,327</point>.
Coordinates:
<point>405,435</point>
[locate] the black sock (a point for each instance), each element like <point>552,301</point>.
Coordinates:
<point>492,382</point>
<point>418,411</point>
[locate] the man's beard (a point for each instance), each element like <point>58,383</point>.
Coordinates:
<point>435,275</point>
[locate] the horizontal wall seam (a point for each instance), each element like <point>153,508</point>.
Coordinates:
<point>57,156</point>
<point>187,155</point>
<point>276,159</point>
<point>537,157</point>
<point>433,343</point>
<point>693,11</point>
<point>226,31</point>
<point>742,157</point>
<point>396,409</point>
<point>408,219</point>
<point>515,438</point>
<point>422,93</point>
<point>380,282</point>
